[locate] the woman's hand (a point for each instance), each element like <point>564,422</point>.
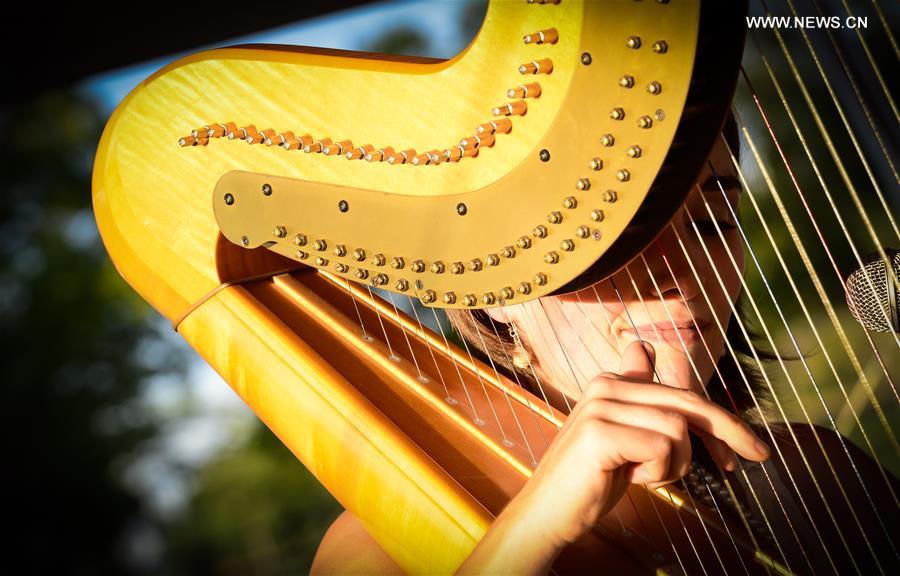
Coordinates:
<point>625,429</point>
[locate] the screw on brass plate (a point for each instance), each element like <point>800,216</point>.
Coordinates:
<point>229,199</point>
<point>267,189</point>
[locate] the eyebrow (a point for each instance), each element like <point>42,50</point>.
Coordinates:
<point>711,184</point>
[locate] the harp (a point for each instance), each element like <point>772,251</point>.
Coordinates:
<point>300,213</point>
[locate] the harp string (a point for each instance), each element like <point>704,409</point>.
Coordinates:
<point>746,381</point>
<point>887,29</point>
<point>509,403</point>
<point>802,358</point>
<point>640,338</point>
<point>875,68</point>
<point>437,368</point>
<point>860,208</point>
<point>790,277</point>
<point>692,362</point>
<point>699,379</point>
<point>784,369</point>
<point>525,396</point>
<point>734,408</point>
<point>826,301</point>
<point>790,381</point>
<point>771,388</point>
<point>859,96</point>
<point>797,76</point>
<point>421,377</point>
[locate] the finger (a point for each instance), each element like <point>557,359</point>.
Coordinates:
<point>700,413</point>
<point>671,424</point>
<point>637,362</point>
<point>720,452</point>
<point>650,451</point>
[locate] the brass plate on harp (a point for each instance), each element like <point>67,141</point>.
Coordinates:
<point>510,224</point>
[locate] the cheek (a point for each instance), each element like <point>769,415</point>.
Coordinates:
<point>730,272</point>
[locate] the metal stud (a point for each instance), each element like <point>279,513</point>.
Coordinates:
<point>321,261</point>
<point>607,140</point>
<point>437,267</point>
<point>555,217</point>
<point>378,260</point>
<point>397,262</point>
<point>469,300</point>
<point>342,268</point>
<point>524,288</point>
<point>570,202</point>
<point>596,163</point>
<point>489,298</point>
<point>302,255</point>
<point>540,231</point>
<point>540,279</point>
<point>524,242</point>
<point>229,199</point>
<point>279,232</point>
<point>359,254</point>
<point>617,114</point>
<point>660,47</point>
<point>654,87</point>
<point>645,122</point>
<point>507,293</point>
<point>583,231</point>
<point>626,81</point>
<point>448,297</point>
<point>361,273</point>
<point>380,279</point>
<point>508,252</point>
<point>567,245</point>
<point>339,250</point>
<point>402,285</point>
<point>418,266</point>
<point>428,296</point>
<point>634,151</point>
<point>610,196</point>
<point>583,184</point>
<point>321,245</point>
<point>551,257</point>
<point>492,259</point>
<point>623,175</point>
<point>633,42</point>
<point>597,215</point>
<point>457,268</point>
<point>475,264</point>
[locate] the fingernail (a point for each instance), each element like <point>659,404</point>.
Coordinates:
<point>763,449</point>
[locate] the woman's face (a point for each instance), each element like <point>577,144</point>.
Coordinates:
<point>658,297</point>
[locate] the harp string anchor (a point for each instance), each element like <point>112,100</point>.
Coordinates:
<point>548,36</point>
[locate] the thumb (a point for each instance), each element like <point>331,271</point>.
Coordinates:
<point>638,362</point>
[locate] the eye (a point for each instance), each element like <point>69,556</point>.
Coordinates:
<point>708,228</point>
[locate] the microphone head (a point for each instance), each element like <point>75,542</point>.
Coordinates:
<point>874,301</point>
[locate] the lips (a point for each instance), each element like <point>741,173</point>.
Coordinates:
<point>670,333</point>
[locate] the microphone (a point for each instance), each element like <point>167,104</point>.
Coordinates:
<point>875,304</point>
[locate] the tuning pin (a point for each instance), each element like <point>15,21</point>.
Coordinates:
<point>231,130</point>
<point>379,155</point>
<point>202,142</point>
<point>268,136</point>
<point>284,139</point>
<point>498,126</point>
<point>477,141</point>
<point>200,132</point>
<point>435,156</point>
<point>517,108</point>
<point>453,154</point>
<point>250,135</point>
<point>187,141</point>
<point>544,66</point>
<point>215,130</point>
<point>532,90</point>
<point>548,36</point>
<point>402,157</point>
<point>420,160</point>
<point>359,152</point>
<point>241,133</point>
<point>317,146</point>
<point>337,148</point>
